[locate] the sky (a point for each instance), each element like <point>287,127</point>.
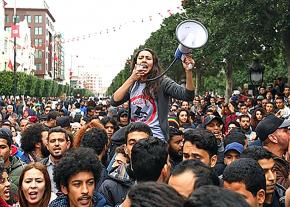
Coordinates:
<point>128,22</point>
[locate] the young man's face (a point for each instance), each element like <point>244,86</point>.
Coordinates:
<point>269,108</point>
<point>176,144</point>
<point>109,128</point>
<point>4,150</point>
<point>214,127</point>
<point>80,189</point>
<point>124,119</point>
<point>185,105</point>
<point>244,109</point>
<point>279,103</point>
<point>270,174</point>
<point>191,152</point>
<point>134,137</point>
<point>57,144</point>
<point>240,188</point>
<point>245,123</point>
<point>231,156</point>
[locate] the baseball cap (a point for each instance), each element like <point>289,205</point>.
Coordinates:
<point>234,146</point>
<point>236,93</point>
<point>269,125</point>
<point>210,118</point>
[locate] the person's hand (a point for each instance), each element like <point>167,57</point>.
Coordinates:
<point>138,73</point>
<point>188,62</point>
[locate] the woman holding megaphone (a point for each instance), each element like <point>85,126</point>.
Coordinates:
<point>149,100</point>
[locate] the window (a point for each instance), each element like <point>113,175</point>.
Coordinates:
<point>8,29</point>
<point>38,30</point>
<point>38,66</point>
<point>37,42</point>
<point>6,18</point>
<point>37,19</point>
<point>27,18</point>
<point>17,19</point>
<point>38,54</point>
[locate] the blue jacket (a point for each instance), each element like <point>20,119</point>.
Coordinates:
<point>62,201</point>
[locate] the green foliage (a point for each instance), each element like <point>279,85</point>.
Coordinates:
<point>47,88</point>
<point>31,82</point>
<point>60,90</point>
<point>6,87</point>
<point>21,83</point>
<point>54,88</point>
<point>239,31</point>
<point>215,83</point>
<point>39,92</point>
<point>82,92</point>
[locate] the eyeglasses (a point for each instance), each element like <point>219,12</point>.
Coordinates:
<point>3,180</point>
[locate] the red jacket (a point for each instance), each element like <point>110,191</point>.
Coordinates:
<point>3,203</point>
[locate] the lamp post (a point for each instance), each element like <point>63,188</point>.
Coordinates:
<point>14,68</point>
<point>256,70</point>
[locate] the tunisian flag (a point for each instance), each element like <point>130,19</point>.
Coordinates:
<point>15,31</point>
<point>10,65</point>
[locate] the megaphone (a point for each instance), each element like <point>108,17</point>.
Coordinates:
<point>190,34</point>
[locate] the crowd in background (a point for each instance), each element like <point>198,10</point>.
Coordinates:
<point>84,152</point>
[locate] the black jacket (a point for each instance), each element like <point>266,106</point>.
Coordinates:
<point>116,186</point>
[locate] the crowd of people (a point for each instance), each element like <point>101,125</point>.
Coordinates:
<point>151,145</point>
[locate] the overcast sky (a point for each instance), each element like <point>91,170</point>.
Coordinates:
<point>107,52</point>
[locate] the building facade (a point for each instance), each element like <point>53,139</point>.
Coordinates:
<point>45,41</point>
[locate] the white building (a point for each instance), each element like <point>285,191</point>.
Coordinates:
<point>91,81</point>
<point>24,51</point>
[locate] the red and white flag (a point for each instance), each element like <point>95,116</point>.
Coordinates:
<point>10,65</point>
<point>15,31</point>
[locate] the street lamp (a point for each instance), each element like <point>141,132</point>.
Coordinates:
<point>256,70</point>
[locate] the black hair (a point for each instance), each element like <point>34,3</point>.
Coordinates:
<point>7,135</point>
<point>214,196</point>
<point>52,115</point>
<point>95,139</point>
<point>174,132</point>
<point>244,116</point>
<point>57,130</point>
<point>204,174</point>
<point>203,139</point>
<point>235,123</point>
<point>31,136</point>
<point>111,120</point>
<point>153,194</point>
<point>235,136</point>
<point>137,127</point>
<point>148,158</point>
<point>75,161</point>
<point>151,88</point>
<point>247,171</point>
<point>77,105</point>
<point>257,153</point>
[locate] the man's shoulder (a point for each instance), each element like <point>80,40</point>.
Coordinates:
<point>17,163</point>
<point>60,201</point>
<point>44,161</point>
